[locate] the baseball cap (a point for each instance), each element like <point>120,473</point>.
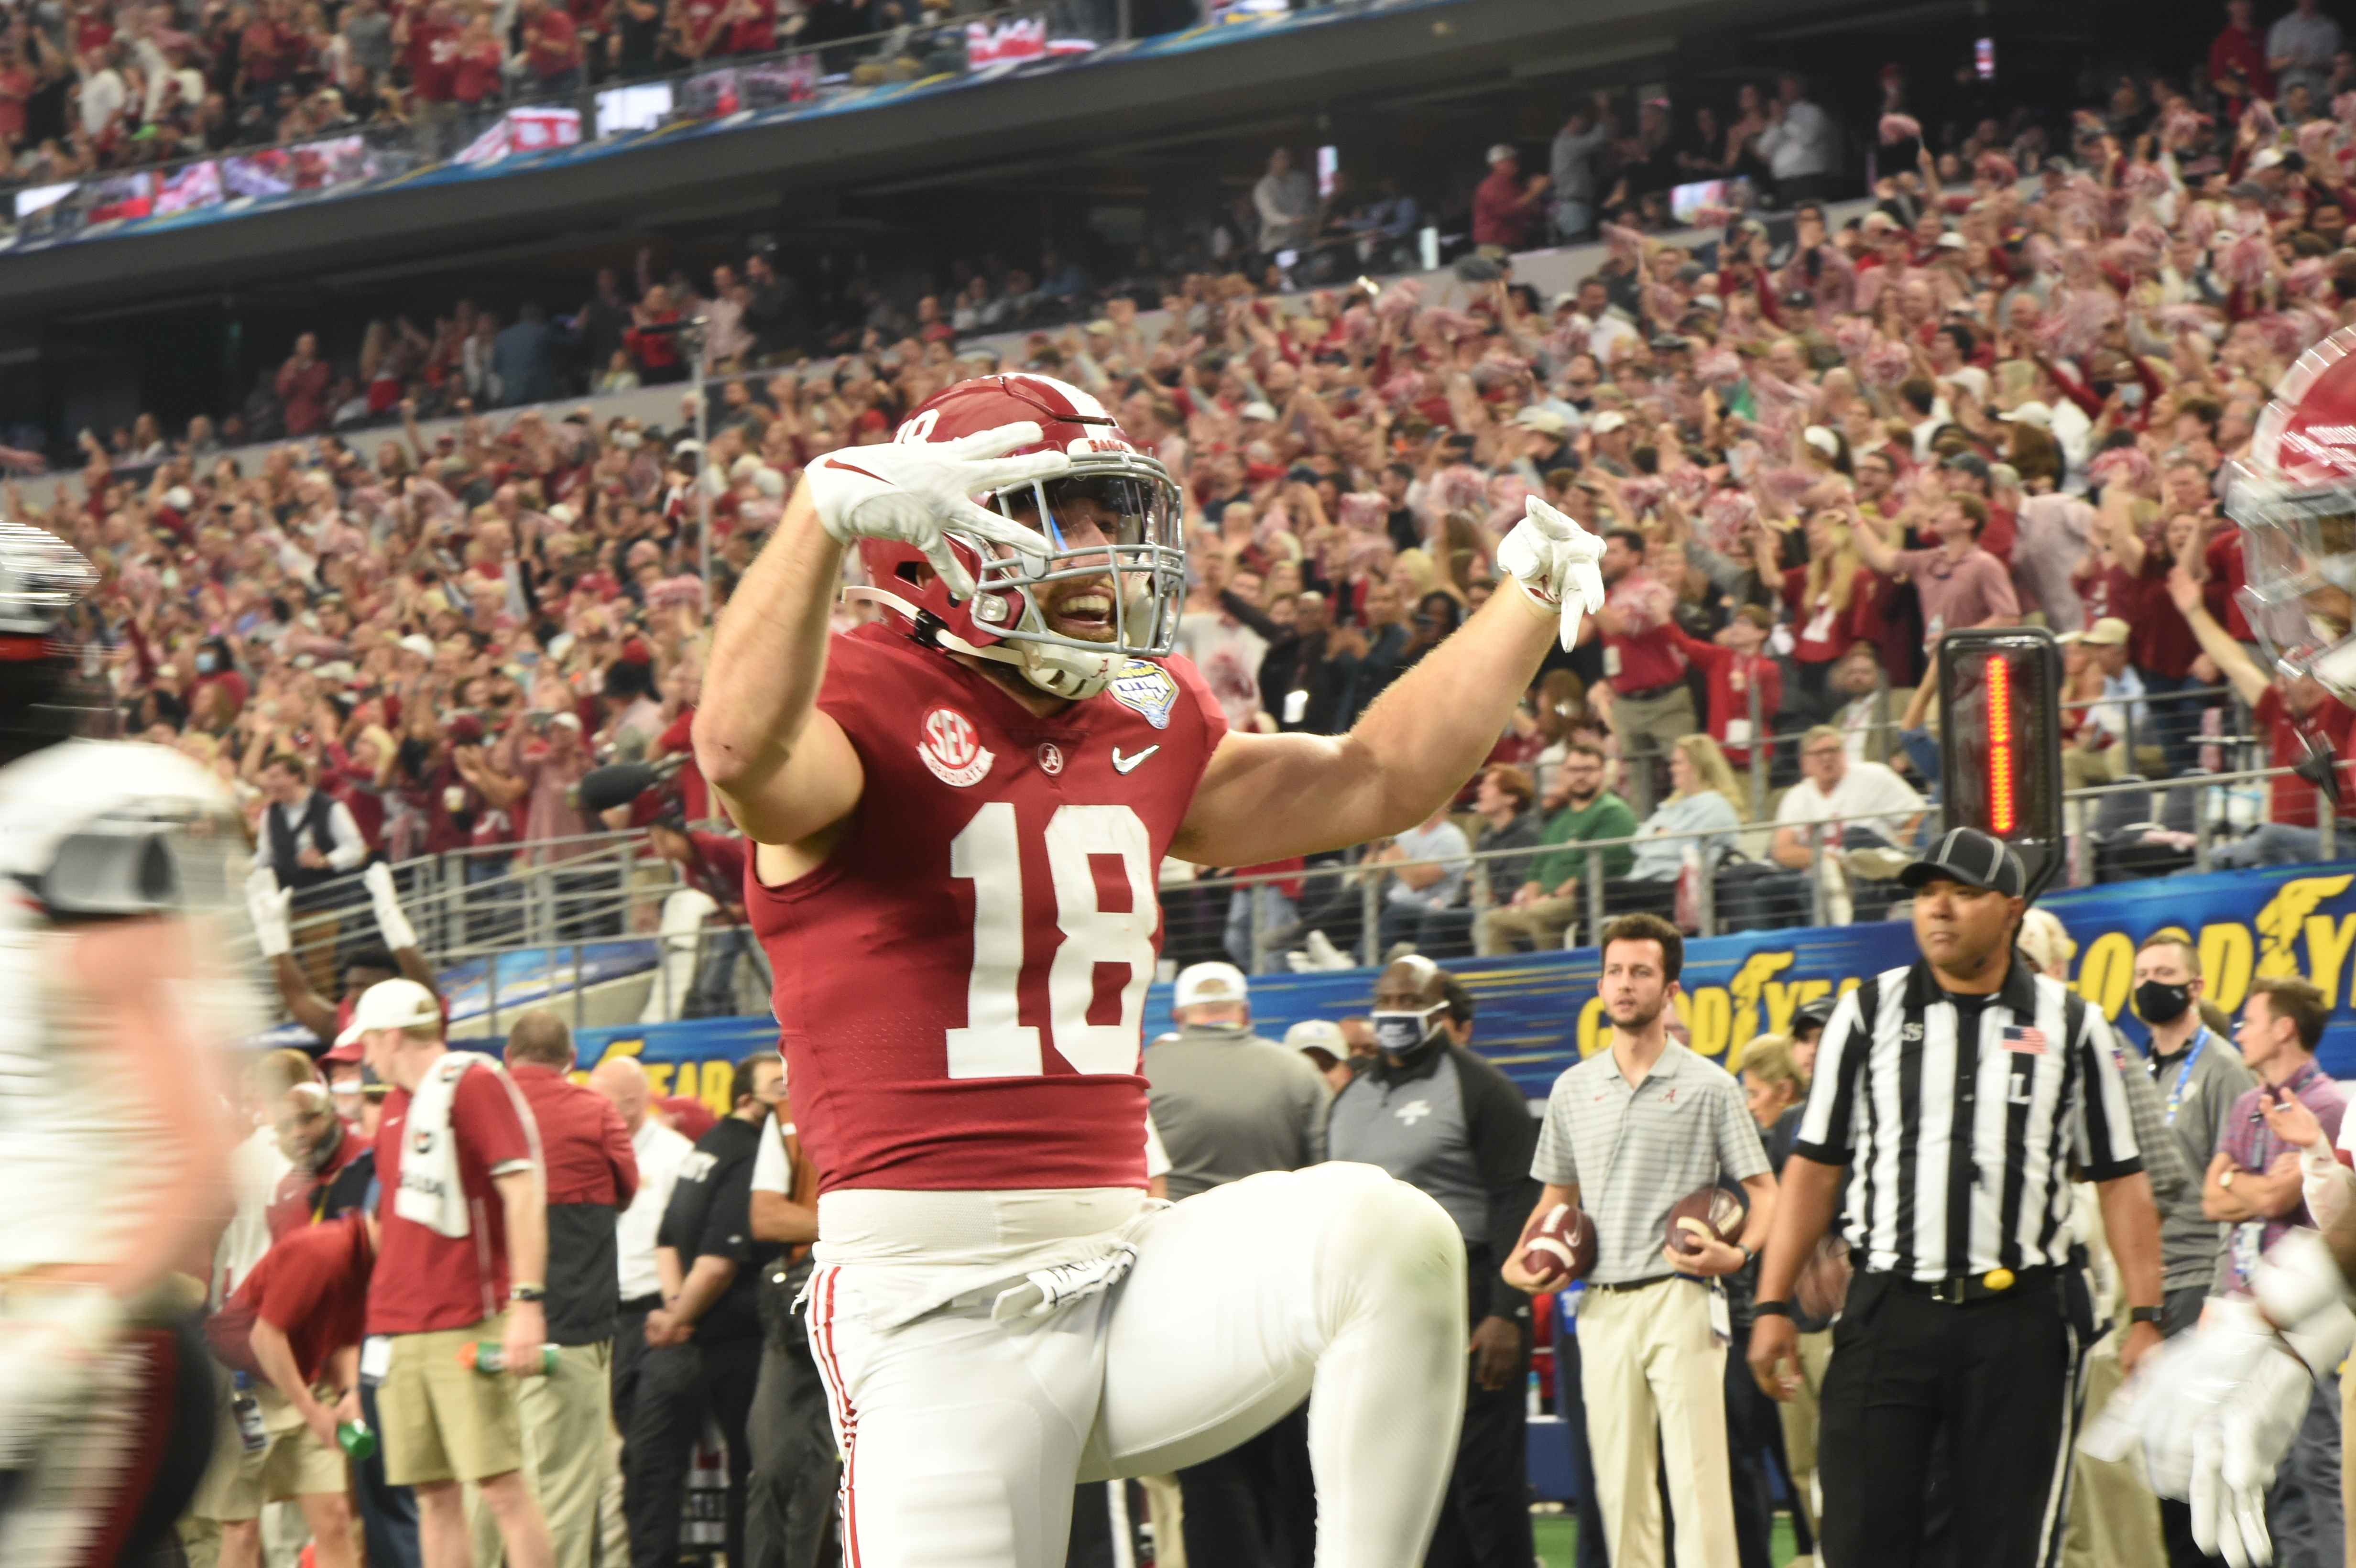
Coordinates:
<point>1607,421</point>
<point>1209,983</point>
<point>1258,410</point>
<point>2030,413</point>
<point>2266,158</point>
<point>1968,856</point>
<point>1323,1034</point>
<point>390,1004</point>
<point>418,643</point>
<point>2110,632</point>
<point>1502,151</point>
<point>1970,463</point>
<point>1546,420</point>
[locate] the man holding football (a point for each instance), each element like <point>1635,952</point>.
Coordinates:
<point>1640,1135</point>
<point>958,813</point>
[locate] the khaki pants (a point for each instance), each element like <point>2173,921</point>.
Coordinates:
<point>1647,727</point>
<point>1800,1416</point>
<point>442,1420</point>
<point>1647,1357</point>
<point>1538,923</point>
<point>2114,1519</point>
<point>564,1417</point>
<point>238,1483</point>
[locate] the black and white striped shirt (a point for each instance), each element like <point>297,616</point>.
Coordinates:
<point>1960,1158</point>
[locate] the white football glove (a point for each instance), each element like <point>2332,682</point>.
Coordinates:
<point>270,908</point>
<point>1554,560</point>
<point>911,491</point>
<point>391,922</point>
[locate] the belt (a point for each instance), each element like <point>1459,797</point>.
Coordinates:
<point>1968,1289</point>
<point>1646,696</point>
<point>641,1303</point>
<point>1650,1279</point>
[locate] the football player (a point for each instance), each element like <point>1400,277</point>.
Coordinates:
<point>959,811</point>
<point>113,1073</point>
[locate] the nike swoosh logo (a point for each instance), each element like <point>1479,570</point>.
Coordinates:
<point>1121,764</point>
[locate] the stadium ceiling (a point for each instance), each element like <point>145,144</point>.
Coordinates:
<point>771,175</point>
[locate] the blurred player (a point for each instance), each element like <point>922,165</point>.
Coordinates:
<point>958,813</point>
<point>111,1022</point>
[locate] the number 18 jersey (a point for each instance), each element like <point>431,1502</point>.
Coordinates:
<point>960,986</point>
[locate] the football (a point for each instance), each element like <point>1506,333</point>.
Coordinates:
<point>1711,1214</point>
<point>1560,1248</point>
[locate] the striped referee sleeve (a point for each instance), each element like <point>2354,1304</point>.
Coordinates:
<point>2105,1134</point>
<point>1827,1127</point>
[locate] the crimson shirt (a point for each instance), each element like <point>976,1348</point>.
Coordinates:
<point>555,44</point>
<point>2327,721</point>
<point>756,34</point>
<point>1498,219</point>
<point>433,60</point>
<point>1731,676</point>
<point>1644,657</point>
<point>430,1280</point>
<point>959,988</point>
<point>313,1286</point>
<point>2162,642</point>
<point>592,1174</point>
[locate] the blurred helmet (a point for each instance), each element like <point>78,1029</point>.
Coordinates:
<point>43,580</point>
<point>2295,498</point>
<point>1135,539</point>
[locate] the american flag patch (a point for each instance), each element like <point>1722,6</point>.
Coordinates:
<point>2028,1041</point>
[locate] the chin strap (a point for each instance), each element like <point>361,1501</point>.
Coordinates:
<point>926,628</point>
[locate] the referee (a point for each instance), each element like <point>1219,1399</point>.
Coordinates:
<point>1951,1101</point>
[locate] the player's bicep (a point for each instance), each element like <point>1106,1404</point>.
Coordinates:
<point>817,786</point>
<point>1267,797</point>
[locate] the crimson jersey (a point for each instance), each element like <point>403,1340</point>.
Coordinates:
<point>960,986</point>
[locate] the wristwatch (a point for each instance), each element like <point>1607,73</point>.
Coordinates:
<point>2146,1313</point>
<point>527,1293</point>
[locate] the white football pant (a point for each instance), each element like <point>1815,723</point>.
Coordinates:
<point>963,1437</point>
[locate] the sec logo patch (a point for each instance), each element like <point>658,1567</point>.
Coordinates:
<point>952,749</point>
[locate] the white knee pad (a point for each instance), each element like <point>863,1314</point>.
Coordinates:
<point>1382,1241</point>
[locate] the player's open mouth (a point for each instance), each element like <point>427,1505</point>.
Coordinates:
<point>1088,615</point>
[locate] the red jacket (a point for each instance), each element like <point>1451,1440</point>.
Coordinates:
<point>1731,676</point>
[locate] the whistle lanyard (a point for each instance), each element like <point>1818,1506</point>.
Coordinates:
<point>2184,1073</point>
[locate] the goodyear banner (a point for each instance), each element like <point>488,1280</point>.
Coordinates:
<point>1538,1012</point>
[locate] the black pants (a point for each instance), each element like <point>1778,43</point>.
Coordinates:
<point>1484,1521</point>
<point>388,1513</point>
<point>1254,1505</point>
<point>1999,1376</point>
<point>676,1384</point>
<point>789,1504</point>
<point>629,1354</point>
<point>1754,1432</point>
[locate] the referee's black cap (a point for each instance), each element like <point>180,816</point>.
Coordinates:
<point>1969,856</point>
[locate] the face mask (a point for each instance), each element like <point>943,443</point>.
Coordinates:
<point>2158,1002</point>
<point>206,664</point>
<point>1399,1033</point>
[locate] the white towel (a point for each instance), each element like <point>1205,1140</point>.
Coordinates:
<point>431,1193</point>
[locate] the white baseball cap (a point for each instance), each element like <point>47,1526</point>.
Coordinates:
<point>418,643</point>
<point>1322,1033</point>
<point>1209,983</point>
<point>392,1004</point>
<point>1607,421</point>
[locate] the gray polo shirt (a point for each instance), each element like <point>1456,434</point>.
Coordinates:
<point>2189,1241</point>
<point>1633,1153</point>
<point>1230,1104</point>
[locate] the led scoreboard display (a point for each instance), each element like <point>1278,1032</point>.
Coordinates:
<point>2000,741</point>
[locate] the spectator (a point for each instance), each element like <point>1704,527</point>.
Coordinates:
<point>1702,800</point>
<point>307,841</point>
<point>526,354</point>
<point>703,1344</point>
<point>2299,47</point>
<point>660,1152</point>
<point>1801,144</point>
<point>1504,799</point>
<point>1652,705</point>
<point>552,46</point>
<point>1505,208</point>
<point>1961,584</point>
<point>1432,862</point>
<point>1552,899</point>
<point>1858,815</point>
<point>1228,1105</point>
<point>592,1175</point>
<point>1577,147</point>
<point>462,1263</point>
<point>1286,202</point>
<point>303,384</point>
<point>1470,1153</point>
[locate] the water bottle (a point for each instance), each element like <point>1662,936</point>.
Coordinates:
<point>355,1439</point>
<point>490,1358</point>
<point>248,1412</point>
